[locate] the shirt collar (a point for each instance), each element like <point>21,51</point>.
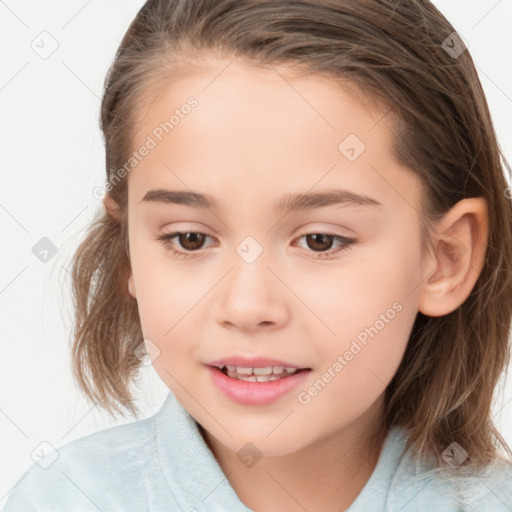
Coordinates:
<point>191,471</point>
<point>196,479</point>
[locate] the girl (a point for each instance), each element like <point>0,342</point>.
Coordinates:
<point>308,233</point>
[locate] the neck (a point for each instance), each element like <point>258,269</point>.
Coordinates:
<point>327,475</point>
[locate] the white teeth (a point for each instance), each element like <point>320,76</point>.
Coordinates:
<point>244,371</point>
<point>262,371</point>
<point>268,370</point>
<point>258,374</point>
<point>252,378</point>
<point>266,378</point>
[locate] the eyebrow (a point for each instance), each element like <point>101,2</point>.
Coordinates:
<point>290,202</point>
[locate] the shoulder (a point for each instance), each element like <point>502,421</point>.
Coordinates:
<point>89,473</point>
<point>419,488</point>
<point>490,489</point>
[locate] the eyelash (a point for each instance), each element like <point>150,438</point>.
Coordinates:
<point>347,243</point>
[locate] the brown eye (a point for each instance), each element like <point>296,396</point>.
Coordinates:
<point>321,244</point>
<point>319,241</point>
<point>191,241</point>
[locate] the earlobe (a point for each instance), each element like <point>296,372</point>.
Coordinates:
<point>460,249</point>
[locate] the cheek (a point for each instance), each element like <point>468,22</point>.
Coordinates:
<point>166,297</point>
<point>372,325</point>
<point>161,284</point>
<point>367,305</point>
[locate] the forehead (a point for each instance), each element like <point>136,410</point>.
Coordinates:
<point>255,133</point>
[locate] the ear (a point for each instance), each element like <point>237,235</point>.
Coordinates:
<point>131,286</point>
<point>460,238</point>
<point>111,207</point>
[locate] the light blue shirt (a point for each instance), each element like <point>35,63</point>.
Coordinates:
<point>162,463</point>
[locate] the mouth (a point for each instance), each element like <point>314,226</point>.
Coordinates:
<point>255,381</point>
<point>262,374</point>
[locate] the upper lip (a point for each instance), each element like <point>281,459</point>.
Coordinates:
<point>252,362</point>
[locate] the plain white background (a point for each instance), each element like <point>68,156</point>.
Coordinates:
<point>52,157</point>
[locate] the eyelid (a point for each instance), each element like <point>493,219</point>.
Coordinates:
<point>184,226</point>
<point>299,231</point>
<point>327,228</point>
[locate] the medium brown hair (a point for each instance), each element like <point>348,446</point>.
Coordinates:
<point>392,53</point>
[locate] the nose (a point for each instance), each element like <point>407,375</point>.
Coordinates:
<point>253,296</point>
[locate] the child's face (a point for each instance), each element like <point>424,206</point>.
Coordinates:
<point>252,139</point>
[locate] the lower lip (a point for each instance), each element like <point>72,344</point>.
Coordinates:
<point>255,393</point>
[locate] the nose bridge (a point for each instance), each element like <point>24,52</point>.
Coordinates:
<point>251,293</point>
<point>250,261</point>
